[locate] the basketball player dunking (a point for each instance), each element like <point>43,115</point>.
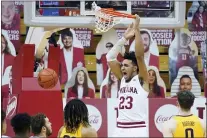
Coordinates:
<point>76,121</point>
<point>185,124</point>
<point>132,97</point>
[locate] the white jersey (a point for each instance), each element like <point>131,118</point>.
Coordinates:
<point>132,108</point>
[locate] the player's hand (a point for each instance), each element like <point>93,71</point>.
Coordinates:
<point>137,21</point>
<point>129,33</point>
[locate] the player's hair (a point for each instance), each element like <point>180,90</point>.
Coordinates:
<point>21,123</point>
<point>185,76</point>
<point>38,121</point>
<point>3,116</point>
<point>131,56</point>
<point>66,32</point>
<point>75,114</point>
<point>6,50</point>
<point>185,99</point>
<point>85,84</point>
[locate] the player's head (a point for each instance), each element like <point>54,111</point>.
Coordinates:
<point>185,100</point>
<point>129,66</point>
<point>21,124</point>
<point>75,114</point>
<point>185,83</point>
<point>185,40</point>
<point>109,45</point>
<point>8,12</point>
<point>146,39</point>
<point>41,125</point>
<point>67,38</point>
<point>4,45</point>
<point>3,122</point>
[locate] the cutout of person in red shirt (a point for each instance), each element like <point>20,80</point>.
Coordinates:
<point>80,85</point>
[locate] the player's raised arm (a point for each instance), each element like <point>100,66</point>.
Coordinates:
<point>117,48</point>
<point>139,51</point>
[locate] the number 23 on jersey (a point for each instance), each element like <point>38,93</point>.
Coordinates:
<point>125,102</point>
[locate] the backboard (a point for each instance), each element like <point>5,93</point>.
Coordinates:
<point>77,14</point>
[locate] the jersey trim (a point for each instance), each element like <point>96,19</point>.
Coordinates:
<point>131,124</point>
<point>184,115</point>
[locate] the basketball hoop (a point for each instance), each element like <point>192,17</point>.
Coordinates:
<point>105,19</point>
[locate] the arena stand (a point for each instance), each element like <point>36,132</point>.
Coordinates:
<point>90,61</point>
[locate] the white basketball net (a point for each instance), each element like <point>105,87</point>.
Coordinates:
<point>104,21</point>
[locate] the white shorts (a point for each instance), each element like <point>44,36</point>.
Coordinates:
<point>130,132</point>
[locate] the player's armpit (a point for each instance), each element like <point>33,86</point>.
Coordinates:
<point>115,68</point>
<point>89,133</point>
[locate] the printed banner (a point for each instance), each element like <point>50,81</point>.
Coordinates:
<point>103,114</point>
<point>11,22</point>
<point>20,4</point>
<point>163,37</point>
<point>120,34</point>
<point>58,8</point>
<point>203,58</point>
<point>162,110</point>
<point>197,21</point>
<point>85,36</point>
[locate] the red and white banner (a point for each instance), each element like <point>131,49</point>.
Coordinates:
<point>103,114</point>
<point>11,22</point>
<point>120,33</point>
<point>163,37</point>
<point>85,36</point>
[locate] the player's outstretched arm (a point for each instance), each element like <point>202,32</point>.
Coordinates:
<point>139,51</point>
<point>117,48</point>
<point>89,133</point>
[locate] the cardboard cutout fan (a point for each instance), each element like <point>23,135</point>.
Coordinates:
<point>71,82</point>
<point>151,55</point>
<point>160,81</point>
<point>113,93</point>
<point>10,45</point>
<point>182,52</point>
<point>7,72</point>
<point>185,70</point>
<point>108,39</point>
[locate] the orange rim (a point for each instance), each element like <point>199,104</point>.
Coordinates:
<point>116,13</point>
